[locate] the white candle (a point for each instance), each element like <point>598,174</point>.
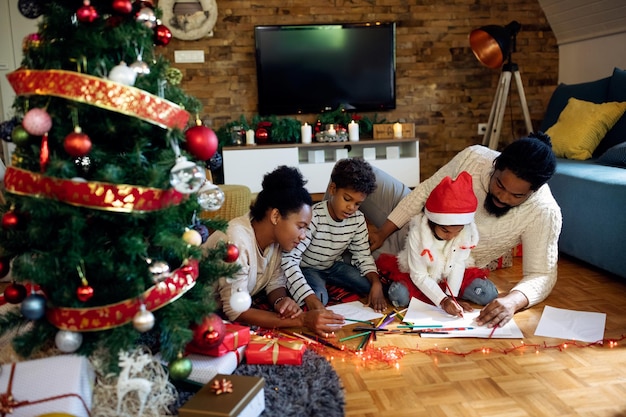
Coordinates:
<point>353,131</point>
<point>331,130</point>
<point>397,130</point>
<point>250,137</point>
<point>305,132</point>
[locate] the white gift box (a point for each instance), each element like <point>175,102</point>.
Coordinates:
<point>369,154</point>
<point>67,376</point>
<point>204,368</point>
<point>316,157</point>
<point>393,152</point>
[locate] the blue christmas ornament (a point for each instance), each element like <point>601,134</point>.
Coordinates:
<point>399,294</point>
<point>33,307</point>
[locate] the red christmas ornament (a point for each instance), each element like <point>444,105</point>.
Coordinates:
<point>84,292</point>
<point>210,332</point>
<point>123,6</point>
<point>162,35</point>
<point>37,122</point>
<point>44,153</point>
<point>77,143</point>
<point>15,293</point>
<point>232,253</point>
<point>10,220</point>
<point>201,142</point>
<point>5,266</point>
<point>87,13</point>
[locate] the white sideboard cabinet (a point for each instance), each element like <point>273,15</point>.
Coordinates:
<point>248,164</point>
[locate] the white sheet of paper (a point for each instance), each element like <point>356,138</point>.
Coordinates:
<point>423,314</point>
<point>570,324</point>
<point>355,310</point>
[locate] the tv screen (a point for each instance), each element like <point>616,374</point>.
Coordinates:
<point>317,68</point>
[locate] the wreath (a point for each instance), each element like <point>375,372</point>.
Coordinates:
<point>192,26</point>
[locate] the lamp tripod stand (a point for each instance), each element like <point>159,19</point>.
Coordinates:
<point>496,117</point>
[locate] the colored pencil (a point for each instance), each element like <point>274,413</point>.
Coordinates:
<point>421,331</point>
<point>364,341</point>
<point>493,331</point>
<point>359,321</point>
<point>354,336</point>
<point>454,298</point>
<point>323,341</point>
<point>415,326</point>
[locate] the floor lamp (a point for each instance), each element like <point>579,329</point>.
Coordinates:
<point>492,45</point>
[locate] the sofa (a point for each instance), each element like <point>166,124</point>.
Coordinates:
<point>587,125</point>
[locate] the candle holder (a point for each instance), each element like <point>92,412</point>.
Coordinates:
<point>333,133</point>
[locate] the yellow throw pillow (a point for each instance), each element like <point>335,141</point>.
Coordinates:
<point>581,126</point>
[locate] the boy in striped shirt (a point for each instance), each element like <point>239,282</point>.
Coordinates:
<point>337,227</point>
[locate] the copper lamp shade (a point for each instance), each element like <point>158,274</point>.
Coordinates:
<point>492,45</point>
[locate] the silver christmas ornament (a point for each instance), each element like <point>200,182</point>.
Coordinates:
<point>67,341</point>
<point>143,320</point>
<point>211,197</point>
<point>187,177</point>
<point>160,270</point>
<point>146,16</point>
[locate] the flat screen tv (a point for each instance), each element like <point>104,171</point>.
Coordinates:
<point>317,68</point>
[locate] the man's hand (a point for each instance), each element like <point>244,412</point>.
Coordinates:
<point>501,310</point>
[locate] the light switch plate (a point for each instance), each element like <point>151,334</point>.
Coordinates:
<point>188,56</point>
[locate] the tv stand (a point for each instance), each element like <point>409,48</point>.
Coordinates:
<point>247,165</point>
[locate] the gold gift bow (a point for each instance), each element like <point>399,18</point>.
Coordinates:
<point>274,344</point>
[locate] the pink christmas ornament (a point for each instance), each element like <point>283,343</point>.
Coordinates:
<point>37,122</point>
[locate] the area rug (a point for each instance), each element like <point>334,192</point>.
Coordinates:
<point>311,389</point>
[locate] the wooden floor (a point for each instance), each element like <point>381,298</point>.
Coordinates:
<point>513,378</point>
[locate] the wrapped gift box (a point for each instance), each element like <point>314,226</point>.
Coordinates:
<point>274,351</point>
<point>246,400</point>
<point>68,378</point>
<point>235,337</point>
<point>204,368</point>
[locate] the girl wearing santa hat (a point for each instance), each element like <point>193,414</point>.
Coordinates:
<point>435,264</point>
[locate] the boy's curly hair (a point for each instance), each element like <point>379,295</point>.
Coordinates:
<point>354,173</point>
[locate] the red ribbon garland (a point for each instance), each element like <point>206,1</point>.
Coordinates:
<point>8,404</point>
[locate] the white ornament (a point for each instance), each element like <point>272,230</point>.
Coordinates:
<point>210,196</point>
<point>240,301</point>
<point>67,341</point>
<point>143,320</point>
<point>123,74</point>
<point>187,177</point>
<point>130,365</point>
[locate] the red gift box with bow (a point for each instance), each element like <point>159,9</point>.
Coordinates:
<point>274,351</point>
<point>236,336</point>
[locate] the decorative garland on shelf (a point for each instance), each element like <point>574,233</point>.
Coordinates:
<point>178,24</point>
<point>118,314</point>
<point>95,195</point>
<point>99,92</point>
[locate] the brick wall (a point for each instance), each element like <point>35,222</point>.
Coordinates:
<point>440,86</point>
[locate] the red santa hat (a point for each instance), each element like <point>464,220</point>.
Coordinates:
<point>452,202</point>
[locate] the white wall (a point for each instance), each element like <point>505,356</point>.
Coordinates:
<point>591,59</point>
<point>13,28</point>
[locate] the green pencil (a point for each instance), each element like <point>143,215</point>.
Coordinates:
<point>359,321</point>
<point>354,336</point>
<point>411,326</point>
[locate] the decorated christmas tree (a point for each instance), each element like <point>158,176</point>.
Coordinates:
<point>101,230</point>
